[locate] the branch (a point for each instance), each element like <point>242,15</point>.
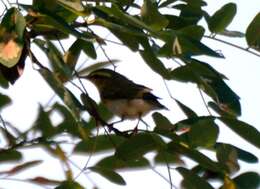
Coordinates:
<point>233,45</point>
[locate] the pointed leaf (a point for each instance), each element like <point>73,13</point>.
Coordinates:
<point>4,101</point>
<point>109,174</point>
<point>246,131</point>
<point>10,155</point>
<point>188,112</point>
<point>44,181</point>
<point>21,167</point>
<point>253,33</point>
<point>195,155</point>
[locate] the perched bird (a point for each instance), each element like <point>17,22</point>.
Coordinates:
<point>122,96</point>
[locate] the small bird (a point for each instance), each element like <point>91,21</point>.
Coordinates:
<point>122,96</point>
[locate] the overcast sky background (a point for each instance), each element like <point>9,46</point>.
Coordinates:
<point>240,67</point>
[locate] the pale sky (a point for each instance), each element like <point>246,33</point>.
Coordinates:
<point>240,67</point>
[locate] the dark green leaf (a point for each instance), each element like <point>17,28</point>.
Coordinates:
<point>243,155</point>
<point>162,123</point>
<point>195,155</point>
<point>253,33</point>
<point>99,143</point>
<point>152,61</point>
<point>10,155</point>
<point>164,157</point>
<point>185,46</point>
<point>44,125</point>
<point>247,180</point>
<point>109,174</point>
<point>188,112</point>
<point>193,181</point>
<point>69,185</point>
<point>152,17</point>
<point>138,145</point>
<point>88,48</point>
<point>67,97</point>
<point>113,162</point>
<point>222,18</point>
<point>203,133</point>
<point>4,101</point>
<point>246,131</point>
<point>194,31</point>
<point>227,155</point>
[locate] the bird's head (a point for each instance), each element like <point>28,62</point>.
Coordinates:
<point>101,77</point>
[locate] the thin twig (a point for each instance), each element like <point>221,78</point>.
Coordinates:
<point>233,45</point>
<point>3,122</point>
<point>204,101</point>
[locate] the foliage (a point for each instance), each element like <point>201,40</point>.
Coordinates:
<point>156,33</point>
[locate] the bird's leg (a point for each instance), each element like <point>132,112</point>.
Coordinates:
<point>146,124</point>
<point>135,130</point>
<point>116,122</point>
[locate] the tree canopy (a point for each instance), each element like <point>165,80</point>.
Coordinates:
<point>157,30</point>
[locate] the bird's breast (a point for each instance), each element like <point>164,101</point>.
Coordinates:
<point>129,109</point>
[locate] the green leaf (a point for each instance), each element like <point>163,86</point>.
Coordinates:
<point>151,15</point>
<point>253,33</point>
<point>203,133</point>
<point>109,174</point>
<point>11,37</point>
<point>227,155</point>
<point>70,185</point>
<point>211,82</point>
<point>164,157</point>
<point>44,125</point>
<point>10,155</point>
<point>152,61</point>
<point>99,143</point>
<point>186,110</point>
<point>195,155</point>
<point>193,31</point>
<point>246,131</point>
<point>113,162</point>
<point>222,18</point>
<point>247,180</point>
<point>193,181</point>
<point>138,145</point>
<point>67,97</point>
<point>72,4</point>
<point>161,122</point>
<point>185,46</point>
<point>4,101</point>
<point>243,155</point>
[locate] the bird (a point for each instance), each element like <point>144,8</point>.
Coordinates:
<point>123,97</point>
